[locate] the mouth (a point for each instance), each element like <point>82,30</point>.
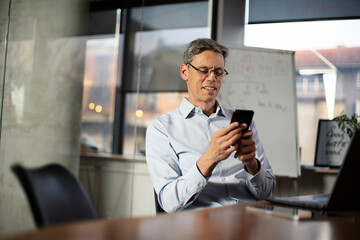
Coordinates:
<point>209,88</point>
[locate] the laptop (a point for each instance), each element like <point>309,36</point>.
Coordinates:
<point>345,194</point>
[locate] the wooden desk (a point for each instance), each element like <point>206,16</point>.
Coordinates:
<point>232,222</point>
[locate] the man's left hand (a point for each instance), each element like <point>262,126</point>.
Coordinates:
<point>246,152</point>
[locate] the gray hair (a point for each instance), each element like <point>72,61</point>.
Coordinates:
<point>202,44</point>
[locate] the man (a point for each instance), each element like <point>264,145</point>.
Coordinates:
<point>196,158</point>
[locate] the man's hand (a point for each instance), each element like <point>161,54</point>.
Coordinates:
<point>223,142</point>
<point>246,152</point>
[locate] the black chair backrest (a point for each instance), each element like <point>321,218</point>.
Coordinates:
<point>158,208</point>
<point>54,194</point>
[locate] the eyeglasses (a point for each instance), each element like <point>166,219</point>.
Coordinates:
<point>206,71</point>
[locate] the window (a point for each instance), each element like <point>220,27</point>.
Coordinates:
<point>132,75</point>
<point>99,93</point>
<point>327,66</point>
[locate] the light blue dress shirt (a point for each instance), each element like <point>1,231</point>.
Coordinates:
<point>174,143</point>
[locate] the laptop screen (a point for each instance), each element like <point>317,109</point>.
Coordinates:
<point>345,194</point>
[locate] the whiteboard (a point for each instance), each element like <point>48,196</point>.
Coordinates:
<point>264,80</point>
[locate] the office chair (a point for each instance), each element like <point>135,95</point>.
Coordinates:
<point>54,194</point>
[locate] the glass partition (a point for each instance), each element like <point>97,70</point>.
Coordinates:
<point>42,54</point>
<point>4,27</point>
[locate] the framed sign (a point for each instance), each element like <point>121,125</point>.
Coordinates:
<point>331,144</point>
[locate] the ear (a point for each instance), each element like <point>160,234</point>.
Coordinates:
<point>184,71</point>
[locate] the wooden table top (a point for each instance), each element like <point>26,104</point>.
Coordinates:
<point>230,222</point>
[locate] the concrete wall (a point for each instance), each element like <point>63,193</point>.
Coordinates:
<point>41,66</point>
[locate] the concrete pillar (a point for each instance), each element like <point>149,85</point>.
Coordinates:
<point>41,94</point>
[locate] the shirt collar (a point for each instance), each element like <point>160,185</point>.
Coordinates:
<point>187,109</point>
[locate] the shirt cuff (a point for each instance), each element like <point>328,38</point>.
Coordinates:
<point>248,174</point>
<point>198,181</point>
<point>254,181</point>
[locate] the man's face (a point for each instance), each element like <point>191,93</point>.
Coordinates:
<point>203,88</point>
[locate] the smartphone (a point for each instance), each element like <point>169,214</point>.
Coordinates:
<point>243,116</point>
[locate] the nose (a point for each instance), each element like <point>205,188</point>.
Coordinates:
<point>211,75</point>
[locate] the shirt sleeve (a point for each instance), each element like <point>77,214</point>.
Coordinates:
<point>263,183</point>
<point>175,190</point>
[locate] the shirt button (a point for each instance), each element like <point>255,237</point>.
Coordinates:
<point>201,185</point>
<point>223,179</point>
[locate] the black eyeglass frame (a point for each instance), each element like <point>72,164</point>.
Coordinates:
<point>209,71</point>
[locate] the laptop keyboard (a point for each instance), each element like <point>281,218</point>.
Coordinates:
<point>310,201</point>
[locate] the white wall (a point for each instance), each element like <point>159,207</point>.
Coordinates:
<point>118,188</point>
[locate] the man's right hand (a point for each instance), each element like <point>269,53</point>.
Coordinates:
<point>223,143</point>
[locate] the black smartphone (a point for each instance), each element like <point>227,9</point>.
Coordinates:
<point>243,116</point>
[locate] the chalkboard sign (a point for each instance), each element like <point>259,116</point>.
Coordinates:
<point>331,145</point>
<point>263,80</point>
